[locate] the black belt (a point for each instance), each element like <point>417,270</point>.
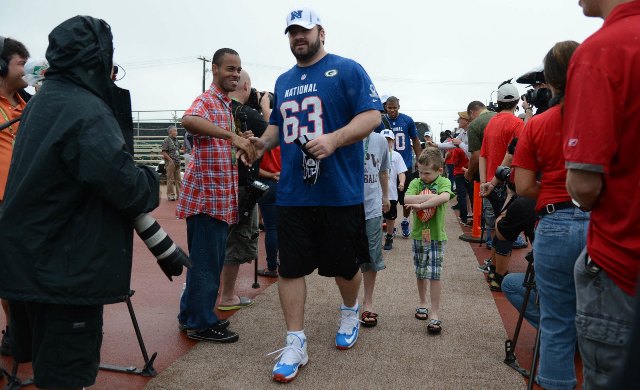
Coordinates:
<point>553,207</point>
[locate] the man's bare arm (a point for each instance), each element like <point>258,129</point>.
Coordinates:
<point>584,187</point>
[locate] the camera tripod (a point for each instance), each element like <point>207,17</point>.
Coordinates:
<point>148,369</point>
<point>13,382</point>
<point>510,344</point>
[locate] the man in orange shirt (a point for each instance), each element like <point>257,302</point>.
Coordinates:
<point>13,56</point>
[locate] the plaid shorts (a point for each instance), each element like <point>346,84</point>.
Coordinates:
<point>428,261</point>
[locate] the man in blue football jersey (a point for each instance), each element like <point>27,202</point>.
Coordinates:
<point>323,108</point>
<point>406,139</point>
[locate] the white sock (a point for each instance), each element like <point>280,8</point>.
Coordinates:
<point>298,333</point>
<point>354,308</point>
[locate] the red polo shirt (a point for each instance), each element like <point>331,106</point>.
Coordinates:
<point>497,135</point>
<point>602,103</point>
<point>539,149</point>
<point>210,183</point>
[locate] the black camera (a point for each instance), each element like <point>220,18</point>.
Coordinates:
<point>444,135</point>
<point>255,97</point>
<point>503,174</point>
<point>171,258</point>
<point>253,191</point>
<point>538,97</point>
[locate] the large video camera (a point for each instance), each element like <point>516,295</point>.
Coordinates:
<point>538,97</point>
<point>255,97</point>
<point>253,191</point>
<point>171,258</point>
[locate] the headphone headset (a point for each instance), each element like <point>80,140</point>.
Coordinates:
<point>4,67</point>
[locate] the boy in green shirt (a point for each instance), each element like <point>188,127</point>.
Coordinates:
<point>429,190</point>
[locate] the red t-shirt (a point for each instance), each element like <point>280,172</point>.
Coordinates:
<point>459,160</point>
<point>497,135</point>
<point>602,103</point>
<point>272,161</point>
<point>539,149</point>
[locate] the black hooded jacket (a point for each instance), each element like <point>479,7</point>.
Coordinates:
<point>66,232</point>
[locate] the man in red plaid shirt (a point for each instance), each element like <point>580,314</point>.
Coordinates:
<point>209,199</point>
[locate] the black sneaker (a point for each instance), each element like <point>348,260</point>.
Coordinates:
<point>222,324</point>
<point>5,345</point>
<point>388,242</point>
<point>214,334</point>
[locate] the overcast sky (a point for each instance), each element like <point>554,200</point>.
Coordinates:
<point>435,56</point>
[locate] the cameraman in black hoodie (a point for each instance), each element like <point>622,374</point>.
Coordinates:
<point>66,222</point>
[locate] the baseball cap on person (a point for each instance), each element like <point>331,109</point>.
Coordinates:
<point>508,93</point>
<point>388,134</point>
<point>304,17</point>
<point>428,134</point>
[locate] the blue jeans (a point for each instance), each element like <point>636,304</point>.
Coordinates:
<point>207,240</point>
<point>461,193</point>
<point>269,212</point>
<point>514,290</point>
<point>450,174</point>
<point>559,240</point>
<point>604,321</point>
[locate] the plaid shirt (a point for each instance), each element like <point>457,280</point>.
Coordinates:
<point>210,184</point>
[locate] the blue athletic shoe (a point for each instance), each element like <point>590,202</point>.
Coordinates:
<point>405,229</point>
<point>292,357</point>
<point>349,327</point>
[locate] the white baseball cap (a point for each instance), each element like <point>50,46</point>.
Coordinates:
<point>388,134</point>
<point>428,134</point>
<point>304,17</point>
<point>508,93</point>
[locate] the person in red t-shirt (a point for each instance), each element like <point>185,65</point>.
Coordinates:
<point>562,229</point>
<point>500,131</point>
<point>460,163</point>
<point>601,141</point>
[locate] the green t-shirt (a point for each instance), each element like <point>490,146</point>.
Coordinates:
<point>435,224</point>
<point>475,132</point>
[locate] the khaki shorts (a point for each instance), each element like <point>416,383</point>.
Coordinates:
<point>242,240</point>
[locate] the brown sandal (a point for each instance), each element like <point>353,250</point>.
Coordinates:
<point>369,319</point>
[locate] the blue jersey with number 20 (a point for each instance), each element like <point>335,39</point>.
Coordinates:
<point>315,100</point>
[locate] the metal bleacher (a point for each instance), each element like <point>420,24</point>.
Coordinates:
<point>149,130</point>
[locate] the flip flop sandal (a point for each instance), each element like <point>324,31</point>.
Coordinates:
<point>422,313</point>
<point>434,327</point>
<point>369,319</point>
<point>244,302</point>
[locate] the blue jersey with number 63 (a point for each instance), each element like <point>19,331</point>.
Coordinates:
<point>315,100</point>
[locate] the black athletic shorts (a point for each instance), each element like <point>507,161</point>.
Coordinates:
<point>520,217</point>
<point>332,240</point>
<point>62,341</point>
<point>392,214</point>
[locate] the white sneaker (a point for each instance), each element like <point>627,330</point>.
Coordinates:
<point>349,328</point>
<point>291,358</point>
